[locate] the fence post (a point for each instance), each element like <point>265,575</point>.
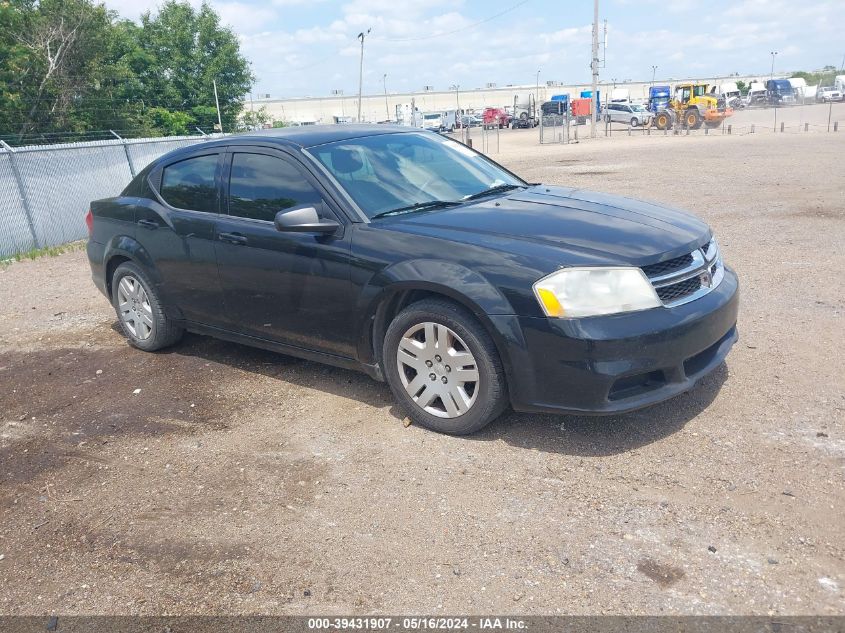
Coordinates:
<point>781,126</point>
<point>836,126</point>
<point>125,151</point>
<point>752,128</point>
<point>21,192</point>
<point>806,127</point>
<point>729,130</point>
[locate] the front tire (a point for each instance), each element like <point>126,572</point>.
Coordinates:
<point>634,121</point>
<point>140,310</point>
<point>443,368</point>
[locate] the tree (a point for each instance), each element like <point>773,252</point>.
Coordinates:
<point>192,50</point>
<point>71,66</point>
<point>255,119</point>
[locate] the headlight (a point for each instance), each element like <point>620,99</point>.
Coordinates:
<point>581,292</point>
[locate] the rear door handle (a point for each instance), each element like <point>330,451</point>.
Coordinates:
<point>148,224</point>
<point>232,238</point>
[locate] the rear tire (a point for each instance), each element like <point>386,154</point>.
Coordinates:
<point>468,390</point>
<point>140,311</point>
<point>662,121</point>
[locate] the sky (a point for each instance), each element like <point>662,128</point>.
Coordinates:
<point>310,47</point>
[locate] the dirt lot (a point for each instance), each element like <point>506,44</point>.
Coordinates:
<point>239,481</point>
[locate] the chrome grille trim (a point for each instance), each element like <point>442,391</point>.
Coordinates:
<point>706,265</point>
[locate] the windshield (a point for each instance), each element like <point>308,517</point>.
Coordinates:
<point>638,108</point>
<point>430,117</point>
<point>392,171</point>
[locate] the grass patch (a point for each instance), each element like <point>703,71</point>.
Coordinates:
<point>46,251</point>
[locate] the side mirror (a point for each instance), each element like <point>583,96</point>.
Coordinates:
<point>303,220</point>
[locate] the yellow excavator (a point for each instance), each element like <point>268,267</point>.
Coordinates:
<point>692,107</point>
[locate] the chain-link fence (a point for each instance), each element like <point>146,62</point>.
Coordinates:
<point>45,190</point>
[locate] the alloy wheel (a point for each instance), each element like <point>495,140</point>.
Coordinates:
<point>134,307</point>
<point>437,370</point>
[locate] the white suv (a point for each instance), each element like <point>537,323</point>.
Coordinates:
<point>629,113</point>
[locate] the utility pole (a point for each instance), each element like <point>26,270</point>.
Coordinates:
<point>653,73</point>
<point>361,37</point>
<point>595,68</point>
<point>217,103</point>
<point>386,107</point>
<point>772,75</point>
<point>537,89</point>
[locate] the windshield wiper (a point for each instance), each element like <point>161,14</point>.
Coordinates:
<point>492,190</point>
<point>419,206</point>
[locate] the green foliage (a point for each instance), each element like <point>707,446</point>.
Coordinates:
<point>255,119</point>
<point>72,66</point>
<point>824,78</point>
<point>277,123</point>
<point>742,87</point>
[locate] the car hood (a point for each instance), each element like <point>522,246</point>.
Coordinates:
<point>595,225</point>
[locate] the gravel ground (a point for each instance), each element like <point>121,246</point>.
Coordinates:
<point>240,481</point>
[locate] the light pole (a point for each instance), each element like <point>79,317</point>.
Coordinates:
<point>361,37</point>
<point>653,73</point>
<point>458,117</point>
<point>772,75</point>
<point>386,107</point>
<point>537,89</point>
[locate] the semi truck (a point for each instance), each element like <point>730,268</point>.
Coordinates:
<point>779,92</point>
<point>524,110</point>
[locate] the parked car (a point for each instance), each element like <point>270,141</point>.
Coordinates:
<point>627,113</point>
<point>471,120</point>
<point>828,93</point>
<point>421,262</point>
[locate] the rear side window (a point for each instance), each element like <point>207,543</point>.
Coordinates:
<point>260,186</point>
<point>189,184</point>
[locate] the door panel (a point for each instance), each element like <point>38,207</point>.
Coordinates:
<point>289,287</point>
<point>180,241</point>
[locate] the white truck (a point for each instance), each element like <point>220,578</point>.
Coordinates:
<point>839,83</point>
<point>524,110</point>
<point>451,120</point>
<point>433,121</point>
<point>730,92</point>
<point>757,94</point>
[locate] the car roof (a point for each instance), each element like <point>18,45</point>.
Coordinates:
<point>310,135</point>
<point>302,137</point>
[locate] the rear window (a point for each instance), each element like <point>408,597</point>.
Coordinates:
<point>189,184</point>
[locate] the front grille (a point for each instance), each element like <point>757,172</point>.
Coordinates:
<point>669,294</point>
<point>685,278</point>
<point>669,266</point>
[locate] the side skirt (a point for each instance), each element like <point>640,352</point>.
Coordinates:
<point>374,371</point>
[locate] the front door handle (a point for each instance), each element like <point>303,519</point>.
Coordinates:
<point>148,224</point>
<point>232,238</point>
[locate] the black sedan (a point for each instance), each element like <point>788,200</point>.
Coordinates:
<point>421,262</point>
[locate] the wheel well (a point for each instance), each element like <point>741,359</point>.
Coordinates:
<point>397,301</point>
<point>114,262</point>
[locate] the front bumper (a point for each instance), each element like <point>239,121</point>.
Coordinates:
<point>612,364</point>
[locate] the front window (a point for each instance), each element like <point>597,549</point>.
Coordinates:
<point>699,91</point>
<point>395,171</point>
<point>638,108</point>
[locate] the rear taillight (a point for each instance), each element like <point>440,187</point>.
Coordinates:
<point>89,222</point>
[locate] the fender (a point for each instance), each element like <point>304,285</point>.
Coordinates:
<point>464,286</point>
